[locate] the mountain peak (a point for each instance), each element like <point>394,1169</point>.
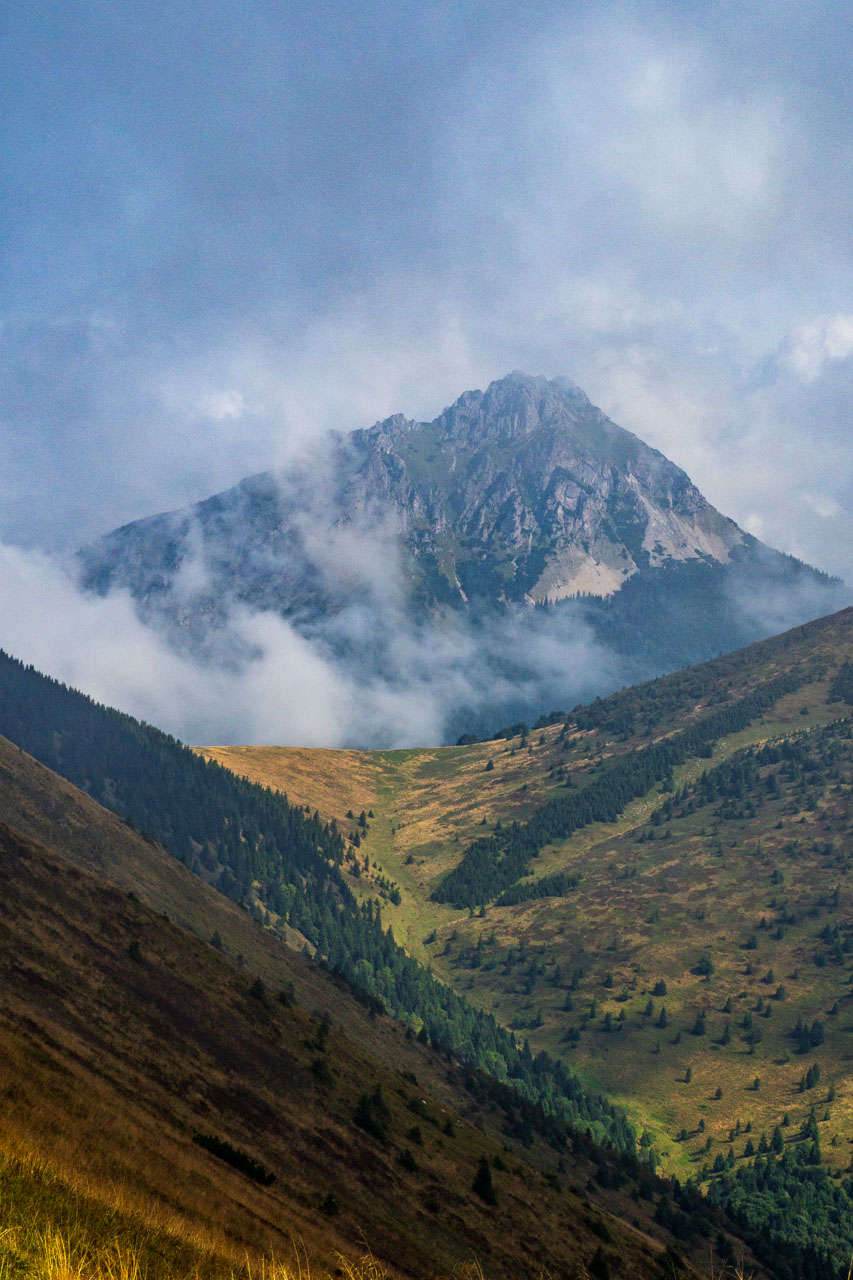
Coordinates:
<point>537,382</point>
<point>520,406</point>
<point>521,402</point>
<point>523,494</point>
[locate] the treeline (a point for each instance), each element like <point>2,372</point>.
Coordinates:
<point>252,842</point>
<point>198,810</point>
<point>807,763</point>
<point>492,864</point>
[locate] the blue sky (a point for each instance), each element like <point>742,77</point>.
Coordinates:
<point>227,227</point>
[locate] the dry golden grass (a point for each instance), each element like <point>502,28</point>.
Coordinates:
<point>427,804</point>
<point>54,1230</point>
<point>330,781</point>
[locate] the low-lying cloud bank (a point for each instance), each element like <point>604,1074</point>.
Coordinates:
<point>292,689</point>
<point>369,676</point>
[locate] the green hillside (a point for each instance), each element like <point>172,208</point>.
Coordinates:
<point>659,894</point>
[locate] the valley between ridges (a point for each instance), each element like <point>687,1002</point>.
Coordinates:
<point>654,898</point>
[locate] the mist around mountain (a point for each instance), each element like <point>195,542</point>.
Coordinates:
<point>521,551</point>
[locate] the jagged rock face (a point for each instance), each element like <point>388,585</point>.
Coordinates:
<point>527,491</point>
<point>522,493</point>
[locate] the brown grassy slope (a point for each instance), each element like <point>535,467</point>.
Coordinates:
<point>314,775</point>
<point>427,804</point>
<point>121,1034</point>
<point>421,797</point>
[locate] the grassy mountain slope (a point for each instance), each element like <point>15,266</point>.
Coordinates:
<point>123,1035</point>
<point>756,880</point>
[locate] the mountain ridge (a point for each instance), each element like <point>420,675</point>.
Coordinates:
<point>409,536</point>
<point>571,453</point>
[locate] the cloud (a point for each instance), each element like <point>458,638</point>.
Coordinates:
<point>814,345</point>
<point>100,646</point>
<point>423,680</point>
<point>285,692</point>
<point>222,404</point>
<point>823,505</point>
<point>698,154</point>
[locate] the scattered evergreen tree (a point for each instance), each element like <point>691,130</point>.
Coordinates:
<point>482,1183</point>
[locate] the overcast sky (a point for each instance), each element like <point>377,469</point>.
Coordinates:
<point>227,227</point>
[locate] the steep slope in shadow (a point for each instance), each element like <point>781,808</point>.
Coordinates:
<point>126,1040</point>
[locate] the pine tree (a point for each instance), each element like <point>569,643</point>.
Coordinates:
<point>482,1183</point>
